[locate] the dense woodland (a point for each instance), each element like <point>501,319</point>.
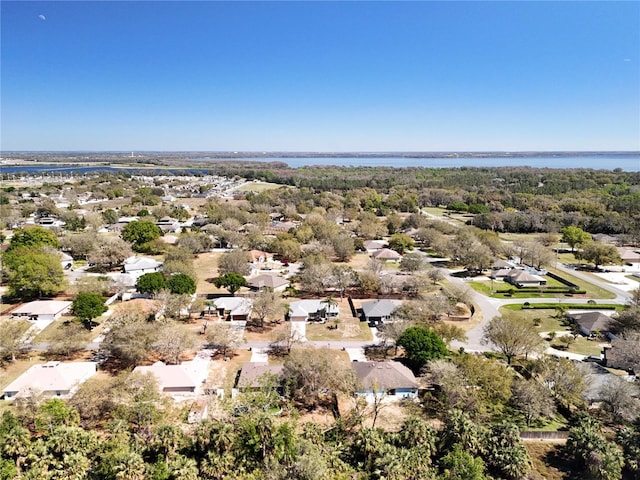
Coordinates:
<point>465,428</point>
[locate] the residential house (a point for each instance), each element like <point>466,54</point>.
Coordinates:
<point>138,266</point>
<point>274,282</point>
<point>375,312</point>
<point>374,245</point>
<point>52,378</point>
<point>501,264</point>
<point>591,323</point>
<point>259,257</point>
<point>43,310</point>
<point>389,379</point>
<point>168,225</point>
<point>233,308</point>
<point>171,378</point>
<point>522,278</point>
<point>254,374</point>
<point>629,257</point>
<point>386,255</point>
<point>312,309</point>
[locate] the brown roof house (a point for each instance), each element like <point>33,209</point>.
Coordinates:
<point>390,379</point>
<point>274,282</point>
<point>254,375</point>
<point>592,322</point>
<point>522,278</point>
<point>387,255</point>
<point>55,379</point>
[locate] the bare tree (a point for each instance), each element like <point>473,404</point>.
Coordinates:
<point>284,337</point>
<point>268,304</point>
<point>172,341</point>
<point>533,399</point>
<point>513,336</point>
<point>620,398</point>
<point>224,336</point>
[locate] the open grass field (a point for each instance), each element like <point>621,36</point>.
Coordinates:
<point>260,187</point>
<point>206,266</point>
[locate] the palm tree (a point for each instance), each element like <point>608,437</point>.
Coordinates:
<point>329,302</point>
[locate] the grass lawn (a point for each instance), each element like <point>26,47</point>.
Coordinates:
<point>593,291</point>
<point>547,318</point>
<point>349,328</point>
<point>582,346</point>
<point>632,277</point>
<point>206,266</point>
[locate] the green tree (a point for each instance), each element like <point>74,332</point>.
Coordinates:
<point>421,345</point>
<point>506,454</point>
<point>140,232</point>
<point>33,237</point>
<point>574,236</point>
<point>33,273</point>
<point>459,464</point>
<point>600,459</point>
<point>54,413</point>
<point>181,283</point>
<point>87,306</point>
<point>401,242</point>
<point>151,282</point>
<point>231,281</point>
<point>599,254</point>
<point>513,336</point>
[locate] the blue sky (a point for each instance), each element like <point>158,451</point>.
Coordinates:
<point>320,76</point>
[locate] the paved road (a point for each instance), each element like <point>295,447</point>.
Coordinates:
<point>487,308</point>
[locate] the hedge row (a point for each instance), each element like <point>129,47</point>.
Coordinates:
<point>582,306</point>
<point>541,290</point>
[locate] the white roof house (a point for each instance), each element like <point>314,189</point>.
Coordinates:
<point>141,265</point>
<point>236,308</point>
<point>378,311</point>
<point>171,378</point>
<point>44,310</point>
<point>303,310</point>
<point>52,378</point>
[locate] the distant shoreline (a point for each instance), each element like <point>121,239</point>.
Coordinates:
<point>13,162</point>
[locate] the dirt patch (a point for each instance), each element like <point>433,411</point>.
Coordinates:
<point>222,373</point>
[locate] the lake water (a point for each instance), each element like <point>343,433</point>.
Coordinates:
<point>625,162</point>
